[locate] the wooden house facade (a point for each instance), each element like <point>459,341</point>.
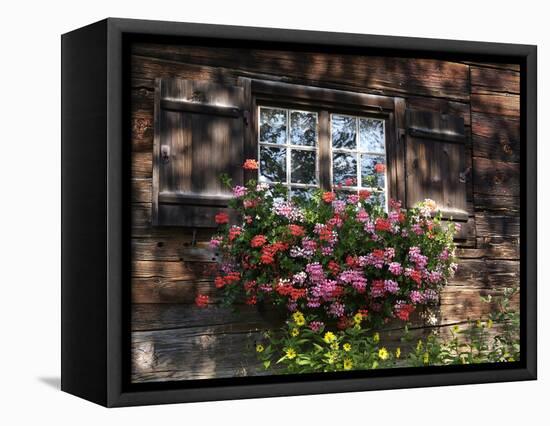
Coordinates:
<point>451,134</point>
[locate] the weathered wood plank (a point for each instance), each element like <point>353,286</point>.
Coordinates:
<point>496,203</point>
<point>496,137</point>
<point>492,225</point>
<point>493,79</point>
<point>172,354</point>
<point>145,69</point>
<point>379,74</point>
<point>495,178</point>
<point>511,67</point>
<point>172,249</point>
<point>486,274</point>
<point>499,104</point>
<point>162,290</point>
<point>442,106</point>
<point>174,271</point>
<point>141,190</point>
<point>142,130</point>
<point>493,247</point>
<point>142,164</point>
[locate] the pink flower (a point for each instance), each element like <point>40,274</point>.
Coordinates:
<point>239,191</point>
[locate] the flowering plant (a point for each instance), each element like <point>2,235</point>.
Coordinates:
<point>333,255</point>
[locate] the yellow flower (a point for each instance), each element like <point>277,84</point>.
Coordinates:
<point>456,329</point>
<point>290,353</point>
<point>294,332</point>
<point>329,337</point>
<point>348,364</point>
<point>376,338</point>
<point>419,346</point>
<point>426,357</point>
<point>478,324</point>
<point>398,352</point>
<point>259,348</point>
<point>357,318</point>
<point>334,346</point>
<point>331,357</point>
<point>490,323</point>
<point>383,354</point>
<point>346,347</point>
<point>298,318</point>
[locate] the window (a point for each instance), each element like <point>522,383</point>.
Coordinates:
<point>289,151</point>
<point>358,153</point>
<point>288,144</point>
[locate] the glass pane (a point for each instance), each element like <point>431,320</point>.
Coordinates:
<point>373,171</point>
<point>344,169</point>
<point>303,166</point>
<point>371,135</point>
<point>343,132</point>
<point>302,193</point>
<point>303,128</point>
<point>273,125</point>
<point>272,164</point>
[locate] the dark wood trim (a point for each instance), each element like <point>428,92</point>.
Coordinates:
<point>250,147</point>
<point>324,163</point>
<point>399,131</point>
<point>156,150</point>
<point>199,108</point>
<point>320,95</point>
<point>436,135</point>
<point>194,199</point>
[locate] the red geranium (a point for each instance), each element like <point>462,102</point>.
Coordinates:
<point>329,197</point>
<point>258,241</point>
<point>202,300</point>
<point>382,224</point>
<point>296,230</point>
<point>379,168</point>
<point>222,218</point>
<point>250,165</point>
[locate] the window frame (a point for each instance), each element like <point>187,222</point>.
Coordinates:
<point>328,101</point>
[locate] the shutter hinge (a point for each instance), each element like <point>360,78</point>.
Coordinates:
<point>462,177</point>
<point>246,117</point>
<point>165,153</point>
<point>401,133</point>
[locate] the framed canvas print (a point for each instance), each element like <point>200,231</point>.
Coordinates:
<point>256,212</point>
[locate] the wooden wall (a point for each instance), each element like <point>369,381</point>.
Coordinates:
<point>172,339</point>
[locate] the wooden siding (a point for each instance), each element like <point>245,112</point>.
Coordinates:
<point>172,339</point>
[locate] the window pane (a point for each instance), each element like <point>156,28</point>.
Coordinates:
<point>303,128</point>
<point>371,135</point>
<point>343,132</point>
<point>273,125</point>
<point>344,167</point>
<point>303,166</point>
<point>272,164</point>
<point>373,171</point>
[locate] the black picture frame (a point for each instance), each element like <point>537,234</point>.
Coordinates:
<point>95,214</point>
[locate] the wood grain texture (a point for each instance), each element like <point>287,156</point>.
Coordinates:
<point>496,137</point>
<point>493,79</point>
<point>383,75</point>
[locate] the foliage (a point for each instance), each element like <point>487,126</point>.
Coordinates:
<point>302,346</point>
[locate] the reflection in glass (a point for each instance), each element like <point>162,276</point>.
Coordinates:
<point>343,132</point>
<point>371,135</point>
<point>273,126</point>
<point>373,171</point>
<point>272,164</point>
<point>344,166</point>
<point>302,167</point>
<point>303,128</point>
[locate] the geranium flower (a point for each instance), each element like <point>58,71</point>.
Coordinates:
<point>250,164</point>
<point>202,300</point>
<point>296,230</point>
<point>328,197</point>
<point>258,241</point>
<point>221,218</point>
<point>379,168</point>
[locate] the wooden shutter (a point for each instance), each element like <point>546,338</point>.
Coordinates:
<point>436,165</point>
<point>198,135</point>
